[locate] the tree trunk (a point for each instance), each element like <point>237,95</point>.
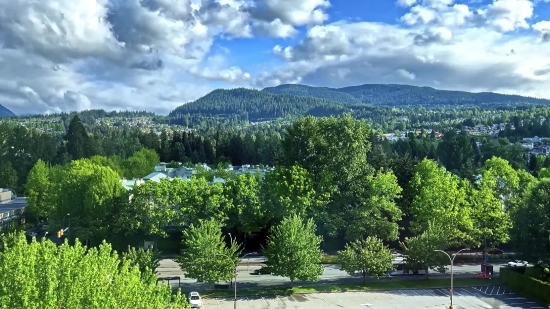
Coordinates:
<point>364,277</point>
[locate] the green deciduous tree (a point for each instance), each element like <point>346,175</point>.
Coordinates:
<point>368,256</point>
<point>85,192</point>
<point>419,250</point>
<point>247,213</point>
<point>39,191</point>
<point>293,250</point>
<point>140,164</point>
<point>147,261</point>
<point>531,224</point>
<point>289,191</point>
<point>441,198</point>
<point>491,222</point>
<point>42,275</point>
<point>205,256</point>
<point>377,213</point>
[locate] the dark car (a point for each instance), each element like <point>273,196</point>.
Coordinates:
<point>264,270</point>
<point>495,251</point>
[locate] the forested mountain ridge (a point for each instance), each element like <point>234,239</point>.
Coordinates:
<point>237,105</point>
<point>316,92</point>
<point>403,95</point>
<point>246,104</point>
<point>4,112</point>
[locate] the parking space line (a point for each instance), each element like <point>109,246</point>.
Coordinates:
<point>416,293</point>
<point>294,299</point>
<point>265,301</point>
<point>492,289</point>
<point>402,293</point>
<point>365,296</point>
<point>446,293</point>
<point>389,294</point>
<point>279,300</point>
<point>467,292</point>
<point>323,298</point>
<point>350,296</point>
<point>218,303</point>
<point>431,294</point>
<point>498,290</point>
<point>338,298</point>
<point>248,301</point>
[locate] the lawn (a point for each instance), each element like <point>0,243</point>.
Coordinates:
<point>382,285</point>
<point>460,259</point>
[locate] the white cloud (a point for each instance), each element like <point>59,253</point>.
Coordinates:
<point>439,43</point>
<point>140,54</point>
<point>157,54</point>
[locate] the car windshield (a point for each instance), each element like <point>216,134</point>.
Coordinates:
<point>195,297</point>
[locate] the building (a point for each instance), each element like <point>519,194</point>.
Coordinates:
<point>12,208</point>
<point>161,171</point>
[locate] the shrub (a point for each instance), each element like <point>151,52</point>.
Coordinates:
<point>535,272</point>
<point>526,285</point>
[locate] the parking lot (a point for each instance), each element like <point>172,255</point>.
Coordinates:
<point>482,297</point>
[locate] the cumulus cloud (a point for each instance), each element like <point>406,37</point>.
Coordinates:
<point>437,43</point>
<point>60,55</point>
<point>139,54</point>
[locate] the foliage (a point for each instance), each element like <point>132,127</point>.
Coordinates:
<point>377,212</point>
<point>42,275</point>
<point>440,198</point>
<point>289,191</point>
<point>8,176</point>
<point>205,256</point>
<point>526,285</point>
<point>419,251</point>
<point>247,212</point>
<point>146,260</point>
<point>293,250</point>
<point>489,218</point>
<point>84,195</point>
<point>531,224</point>
<point>368,256</point>
<point>38,188</point>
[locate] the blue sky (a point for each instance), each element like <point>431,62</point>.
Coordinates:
<point>159,54</point>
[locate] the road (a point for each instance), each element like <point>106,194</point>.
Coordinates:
<point>331,275</point>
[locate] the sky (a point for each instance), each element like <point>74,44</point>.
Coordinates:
<point>66,55</point>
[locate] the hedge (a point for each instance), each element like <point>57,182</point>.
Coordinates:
<point>526,285</point>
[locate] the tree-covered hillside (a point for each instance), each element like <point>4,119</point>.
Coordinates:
<point>315,92</point>
<point>405,95</point>
<point>245,104</point>
<point>4,112</point>
<point>365,101</point>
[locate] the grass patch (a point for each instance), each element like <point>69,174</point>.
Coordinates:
<point>329,259</point>
<point>380,285</point>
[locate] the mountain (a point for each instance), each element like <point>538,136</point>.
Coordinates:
<point>253,105</point>
<point>4,112</point>
<point>364,101</point>
<point>315,92</point>
<point>403,95</point>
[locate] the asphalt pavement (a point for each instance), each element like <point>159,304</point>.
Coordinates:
<point>480,297</point>
<point>331,275</point>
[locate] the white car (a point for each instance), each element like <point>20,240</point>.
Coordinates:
<point>517,264</point>
<point>194,300</point>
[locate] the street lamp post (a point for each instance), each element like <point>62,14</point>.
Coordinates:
<point>451,259</point>
<point>235,274</point>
